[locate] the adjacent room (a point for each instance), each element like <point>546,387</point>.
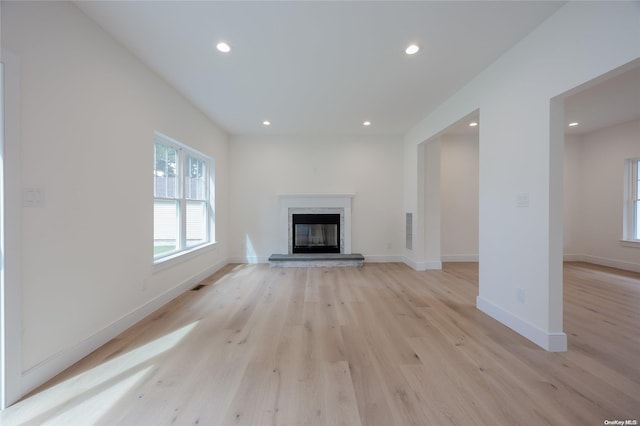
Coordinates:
<point>361,212</point>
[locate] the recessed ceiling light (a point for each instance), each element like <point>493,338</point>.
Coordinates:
<point>266,123</point>
<point>223,47</point>
<point>412,49</point>
<point>473,124</point>
<point>366,123</point>
<point>575,123</point>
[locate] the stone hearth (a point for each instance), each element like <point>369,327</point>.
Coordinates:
<point>315,260</point>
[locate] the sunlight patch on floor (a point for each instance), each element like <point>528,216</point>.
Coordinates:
<point>92,409</point>
<point>120,370</point>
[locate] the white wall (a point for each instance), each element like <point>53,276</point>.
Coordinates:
<point>89,109</point>
<point>594,178</point>
<point>520,152</point>
<point>261,168</point>
<point>431,205</point>
<point>459,197</point>
<point>572,223</point>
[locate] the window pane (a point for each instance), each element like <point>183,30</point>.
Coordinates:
<point>165,171</point>
<point>166,229</point>
<point>195,179</point>
<point>196,223</point>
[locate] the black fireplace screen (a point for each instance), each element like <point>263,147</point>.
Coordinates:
<point>316,233</point>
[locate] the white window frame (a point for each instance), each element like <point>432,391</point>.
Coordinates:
<point>630,224</point>
<point>185,151</point>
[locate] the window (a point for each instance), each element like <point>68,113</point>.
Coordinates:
<point>182,207</point>
<point>632,203</point>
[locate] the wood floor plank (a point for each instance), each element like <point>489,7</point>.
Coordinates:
<point>340,404</point>
<point>377,345</point>
<point>367,383</point>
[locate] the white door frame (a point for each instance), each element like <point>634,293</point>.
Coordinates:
<point>11,223</point>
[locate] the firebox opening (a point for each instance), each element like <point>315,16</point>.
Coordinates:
<point>316,233</point>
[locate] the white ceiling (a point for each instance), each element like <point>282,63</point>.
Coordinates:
<point>315,68</point>
<point>613,99</point>
<point>609,100</point>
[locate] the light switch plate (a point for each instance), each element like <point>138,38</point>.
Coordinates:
<point>33,197</point>
<point>522,200</point>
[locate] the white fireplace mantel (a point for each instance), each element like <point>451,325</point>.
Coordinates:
<point>313,201</point>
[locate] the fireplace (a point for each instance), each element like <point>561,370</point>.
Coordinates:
<point>338,205</point>
<point>315,233</point>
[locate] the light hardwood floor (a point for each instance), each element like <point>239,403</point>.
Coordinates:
<point>378,345</point>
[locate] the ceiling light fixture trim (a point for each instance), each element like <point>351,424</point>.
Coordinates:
<point>223,47</point>
<point>412,49</point>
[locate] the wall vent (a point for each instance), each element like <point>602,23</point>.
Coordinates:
<point>409,231</point>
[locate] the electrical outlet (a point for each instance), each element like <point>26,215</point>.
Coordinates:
<point>520,295</point>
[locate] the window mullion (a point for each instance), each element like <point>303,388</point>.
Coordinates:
<point>207,225</point>
<point>183,203</point>
<point>634,200</point>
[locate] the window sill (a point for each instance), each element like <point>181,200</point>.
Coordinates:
<point>630,243</point>
<point>174,259</point>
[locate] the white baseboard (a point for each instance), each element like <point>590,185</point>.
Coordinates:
<point>247,259</point>
<point>425,266</point>
<point>409,262</point>
<point>383,259</point>
<point>612,263</point>
<point>422,266</point>
<point>45,370</point>
<point>552,342</point>
<point>460,258</point>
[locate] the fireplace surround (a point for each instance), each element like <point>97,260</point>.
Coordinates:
<point>315,204</point>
